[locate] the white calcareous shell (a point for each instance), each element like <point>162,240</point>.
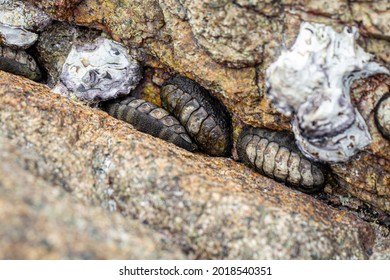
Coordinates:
<point>16,37</point>
<point>312,82</point>
<point>100,71</point>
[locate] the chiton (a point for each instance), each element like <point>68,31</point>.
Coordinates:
<point>148,118</point>
<point>19,62</point>
<point>382,115</point>
<point>275,155</point>
<point>204,117</point>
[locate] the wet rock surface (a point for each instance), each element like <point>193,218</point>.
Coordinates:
<point>209,207</point>
<point>39,220</point>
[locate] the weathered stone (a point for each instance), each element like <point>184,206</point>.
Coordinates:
<point>381,249</point>
<point>246,34</point>
<point>366,177</point>
<point>56,8</point>
<point>210,207</point>
<point>17,38</point>
<point>100,71</point>
<point>41,221</point>
<point>231,34</point>
<point>373,16</point>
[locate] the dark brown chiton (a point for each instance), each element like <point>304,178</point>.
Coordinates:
<point>275,155</point>
<point>19,62</point>
<point>205,118</point>
<point>382,115</point>
<point>148,118</point>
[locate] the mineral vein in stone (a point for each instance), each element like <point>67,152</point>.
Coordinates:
<point>312,81</point>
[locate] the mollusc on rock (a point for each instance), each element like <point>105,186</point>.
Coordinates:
<point>99,71</point>
<point>312,82</point>
<point>209,207</point>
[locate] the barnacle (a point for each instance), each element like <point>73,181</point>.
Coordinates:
<point>274,154</point>
<point>16,37</point>
<point>149,118</point>
<point>382,115</point>
<point>100,71</point>
<point>204,117</point>
<point>23,14</point>
<point>19,62</point>
<point>312,82</point>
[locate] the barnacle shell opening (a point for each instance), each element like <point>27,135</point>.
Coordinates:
<point>312,81</point>
<point>102,70</point>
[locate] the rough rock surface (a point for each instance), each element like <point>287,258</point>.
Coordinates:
<point>174,31</point>
<point>41,221</point>
<point>210,207</point>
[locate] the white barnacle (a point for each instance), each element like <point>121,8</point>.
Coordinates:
<point>22,14</point>
<point>16,37</point>
<point>100,71</point>
<point>312,81</point>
